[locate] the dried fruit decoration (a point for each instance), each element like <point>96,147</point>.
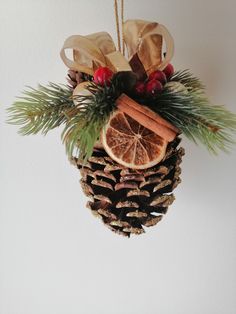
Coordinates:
<point>123,122</point>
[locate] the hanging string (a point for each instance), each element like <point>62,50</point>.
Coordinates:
<point>117,24</point>
<point>119,34</point>
<point>122,26</point>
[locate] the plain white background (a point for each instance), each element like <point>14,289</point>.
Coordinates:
<point>55,257</point>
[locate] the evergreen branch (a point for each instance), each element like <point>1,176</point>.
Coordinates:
<point>42,109</point>
<point>188,80</point>
<point>83,130</point>
<point>200,121</point>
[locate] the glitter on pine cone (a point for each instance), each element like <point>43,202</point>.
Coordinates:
<point>128,200</point>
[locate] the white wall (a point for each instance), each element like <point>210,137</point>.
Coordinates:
<point>55,257</point>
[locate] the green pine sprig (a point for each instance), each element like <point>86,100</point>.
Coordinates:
<point>42,109</point>
<point>186,78</point>
<point>212,125</point>
<point>83,130</point>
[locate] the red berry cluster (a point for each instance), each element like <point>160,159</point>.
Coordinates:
<point>151,87</point>
<point>154,83</point>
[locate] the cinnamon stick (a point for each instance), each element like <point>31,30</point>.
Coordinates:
<point>146,118</point>
<point>145,110</point>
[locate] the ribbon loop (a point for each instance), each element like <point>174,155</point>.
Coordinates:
<point>144,41</point>
<point>88,51</point>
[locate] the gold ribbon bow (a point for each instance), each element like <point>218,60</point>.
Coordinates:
<point>144,42</point>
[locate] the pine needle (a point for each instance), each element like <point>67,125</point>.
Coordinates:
<point>188,80</point>
<point>83,130</point>
<point>42,109</point>
<point>213,126</point>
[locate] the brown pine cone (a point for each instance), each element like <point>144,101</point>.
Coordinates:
<point>125,199</point>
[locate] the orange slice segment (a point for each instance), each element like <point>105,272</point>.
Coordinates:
<point>131,144</point>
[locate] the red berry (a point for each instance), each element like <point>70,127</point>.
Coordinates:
<point>169,70</point>
<point>139,88</point>
<point>153,87</point>
<point>158,75</point>
<point>102,76</point>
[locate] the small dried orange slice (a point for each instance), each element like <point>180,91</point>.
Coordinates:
<point>131,144</point>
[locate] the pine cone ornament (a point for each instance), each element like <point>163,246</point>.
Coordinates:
<point>128,200</point>
<point>136,108</point>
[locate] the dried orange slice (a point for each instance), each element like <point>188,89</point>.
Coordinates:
<point>131,144</point>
